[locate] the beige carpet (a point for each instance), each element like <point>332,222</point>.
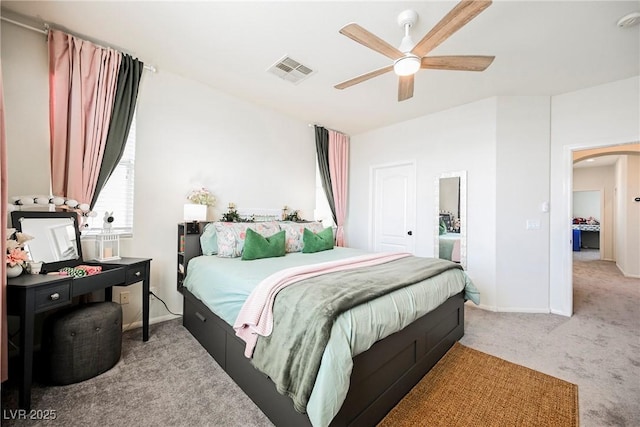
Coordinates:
<point>471,388</point>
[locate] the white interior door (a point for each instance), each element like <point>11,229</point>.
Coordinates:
<point>393,208</point>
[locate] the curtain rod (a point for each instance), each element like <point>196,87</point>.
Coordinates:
<point>315,124</point>
<point>46,31</point>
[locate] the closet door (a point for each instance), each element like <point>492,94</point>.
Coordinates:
<point>393,207</point>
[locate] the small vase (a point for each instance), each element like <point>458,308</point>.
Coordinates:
<point>14,271</point>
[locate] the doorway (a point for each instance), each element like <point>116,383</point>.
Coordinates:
<point>588,219</point>
<point>617,217</point>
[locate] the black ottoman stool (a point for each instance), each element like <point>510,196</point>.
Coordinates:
<point>83,342</point>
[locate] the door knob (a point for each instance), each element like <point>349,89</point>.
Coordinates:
<point>410,233</point>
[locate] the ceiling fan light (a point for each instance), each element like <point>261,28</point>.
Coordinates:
<point>407,65</point>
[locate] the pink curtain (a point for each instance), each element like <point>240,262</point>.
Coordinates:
<point>339,170</point>
<point>82,84</point>
<point>4,198</point>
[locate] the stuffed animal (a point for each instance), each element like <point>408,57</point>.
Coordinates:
<point>108,219</point>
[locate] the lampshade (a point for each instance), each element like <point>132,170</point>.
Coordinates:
<point>407,65</point>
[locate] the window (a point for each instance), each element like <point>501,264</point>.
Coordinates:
<point>117,194</point>
<point>323,210</point>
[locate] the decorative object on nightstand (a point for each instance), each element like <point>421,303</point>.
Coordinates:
<point>107,246</point>
<point>108,221</point>
<point>294,216</point>
<point>232,215</point>
<point>16,256</point>
<point>200,200</point>
<point>107,243</point>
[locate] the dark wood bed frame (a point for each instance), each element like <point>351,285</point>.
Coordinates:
<point>381,376</point>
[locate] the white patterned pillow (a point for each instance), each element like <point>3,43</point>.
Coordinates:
<point>294,232</point>
<point>209,240</point>
<point>231,235</point>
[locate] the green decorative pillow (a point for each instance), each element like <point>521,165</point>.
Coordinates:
<point>443,227</point>
<point>257,246</point>
<point>321,241</point>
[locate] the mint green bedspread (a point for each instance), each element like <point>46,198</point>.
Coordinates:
<point>223,284</point>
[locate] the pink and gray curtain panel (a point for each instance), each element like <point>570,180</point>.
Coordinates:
<point>82,85</point>
<point>339,169</point>
<point>332,150</point>
<point>92,96</point>
<point>4,196</point>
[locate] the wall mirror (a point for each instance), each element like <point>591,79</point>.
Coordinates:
<point>451,217</point>
<point>56,237</point>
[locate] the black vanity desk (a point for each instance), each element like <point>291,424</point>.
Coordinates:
<point>30,294</point>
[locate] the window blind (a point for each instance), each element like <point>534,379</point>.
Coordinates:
<point>117,194</point>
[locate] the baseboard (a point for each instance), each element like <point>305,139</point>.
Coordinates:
<point>523,310</point>
<point>481,306</point>
<point>559,313</point>
<point>513,309</point>
<point>152,321</point>
<point>625,274</point>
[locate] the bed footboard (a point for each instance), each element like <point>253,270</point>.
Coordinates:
<point>381,376</point>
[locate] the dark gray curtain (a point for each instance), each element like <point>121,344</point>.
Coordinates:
<point>123,108</point>
<point>322,151</point>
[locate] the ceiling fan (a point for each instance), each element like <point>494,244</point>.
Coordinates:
<point>409,58</point>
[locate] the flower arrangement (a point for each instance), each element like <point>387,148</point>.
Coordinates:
<point>202,196</point>
<point>16,255</point>
<point>291,216</point>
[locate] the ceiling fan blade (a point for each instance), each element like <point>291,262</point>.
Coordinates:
<point>364,77</point>
<point>460,15</point>
<point>365,38</point>
<point>405,87</point>
<point>461,63</point>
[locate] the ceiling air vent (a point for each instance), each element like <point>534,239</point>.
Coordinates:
<point>290,70</point>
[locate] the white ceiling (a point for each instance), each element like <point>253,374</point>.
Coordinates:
<point>596,162</point>
<point>541,48</point>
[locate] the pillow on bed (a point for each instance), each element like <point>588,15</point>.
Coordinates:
<point>231,235</point>
<point>257,246</point>
<point>443,227</point>
<point>321,241</point>
<point>294,232</point>
<point>209,240</point>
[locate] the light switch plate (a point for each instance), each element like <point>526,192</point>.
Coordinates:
<point>533,224</point>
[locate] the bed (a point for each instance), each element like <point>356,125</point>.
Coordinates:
<point>450,246</point>
<point>373,356</point>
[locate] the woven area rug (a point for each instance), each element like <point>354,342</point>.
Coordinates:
<point>471,388</point>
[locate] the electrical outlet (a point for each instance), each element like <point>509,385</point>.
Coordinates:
<point>155,291</point>
<point>124,297</point>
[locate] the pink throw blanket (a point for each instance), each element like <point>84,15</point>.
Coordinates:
<point>256,315</point>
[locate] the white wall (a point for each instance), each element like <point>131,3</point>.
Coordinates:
<point>586,203</point>
<point>627,177</point>
<point>518,154</point>
<point>608,114</point>
<point>188,135</point>
<point>601,179</point>
<point>461,138</point>
<point>522,186</point>
<point>25,71</point>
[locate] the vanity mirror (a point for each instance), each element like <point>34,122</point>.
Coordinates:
<point>451,217</point>
<point>56,237</point>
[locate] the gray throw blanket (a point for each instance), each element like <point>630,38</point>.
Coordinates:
<point>304,314</point>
